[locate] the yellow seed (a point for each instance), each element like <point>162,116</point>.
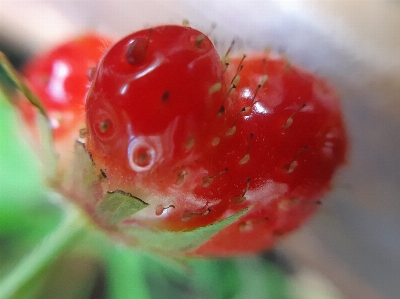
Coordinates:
<point>290,168</point>
<point>216,87</point>
<point>199,40</point>
<point>247,109</point>
<point>285,204</point>
<point>288,123</point>
<point>246,226</point>
<point>245,159</point>
<point>239,199</point>
<point>215,141</point>
<point>236,80</point>
<point>263,80</point>
<point>231,131</point>
<point>226,60</point>
<point>207,181</point>
<point>190,142</point>
<point>82,133</point>
<point>180,177</point>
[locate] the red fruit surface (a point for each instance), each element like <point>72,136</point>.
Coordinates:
<point>59,78</point>
<point>167,123</point>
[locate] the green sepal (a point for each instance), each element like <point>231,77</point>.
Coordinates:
<point>82,180</point>
<point>118,205</point>
<point>13,76</point>
<point>11,81</point>
<point>177,242</point>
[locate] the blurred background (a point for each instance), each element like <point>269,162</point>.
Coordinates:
<point>354,240</point>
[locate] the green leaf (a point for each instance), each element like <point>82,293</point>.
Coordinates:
<point>126,274</point>
<point>14,77</point>
<point>18,166</point>
<point>133,274</point>
<point>261,279</point>
<point>177,243</point>
<point>118,205</point>
<point>215,278</point>
<point>44,253</point>
<point>11,81</point>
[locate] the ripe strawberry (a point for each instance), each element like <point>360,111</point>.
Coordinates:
<point>302,142</point>
<point>169,123</point>
<point>59,78</point>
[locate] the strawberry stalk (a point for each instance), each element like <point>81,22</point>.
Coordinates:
<point>14,77</point>
<point>125,275</point>
<point>68,231</point>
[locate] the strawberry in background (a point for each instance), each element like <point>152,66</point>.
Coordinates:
<point>59,77</point>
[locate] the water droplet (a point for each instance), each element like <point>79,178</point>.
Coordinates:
<point>136,52</point>
<point>141,155</point>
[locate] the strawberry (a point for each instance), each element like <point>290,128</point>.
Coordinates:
<point>297,117</point>
<point>198,140</point>
<point>59,77</point>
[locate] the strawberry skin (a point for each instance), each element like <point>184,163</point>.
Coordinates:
<point>199,141</point>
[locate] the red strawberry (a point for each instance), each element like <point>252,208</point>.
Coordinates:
<point>59,77</point>
<point>170,125</point>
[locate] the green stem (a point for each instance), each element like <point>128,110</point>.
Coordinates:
<point>48,250</point>
<point>125,269</point>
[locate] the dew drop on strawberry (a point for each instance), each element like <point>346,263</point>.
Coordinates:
<point>141,155</point>
<point>136,52</point>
